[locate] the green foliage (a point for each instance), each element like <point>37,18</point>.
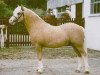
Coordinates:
<point>40,12</point>
<point>4,11</point>
<point>2,4</point>
<point>7,6</point>
<point>2,8</point>
<point>8,12</point>
<point>19,28</point>
<point>37,4</point>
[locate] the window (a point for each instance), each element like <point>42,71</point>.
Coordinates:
<point>63,9</point>
<point>59,9</point>
<point>95,6</point>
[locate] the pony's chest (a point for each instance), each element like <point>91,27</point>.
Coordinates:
<point>36,38</point>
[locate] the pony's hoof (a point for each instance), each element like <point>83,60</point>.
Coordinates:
<point>78,71</point>
<point>87,72</point>
<point>40,71</point>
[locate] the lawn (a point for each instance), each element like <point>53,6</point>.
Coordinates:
<point>48,53</point>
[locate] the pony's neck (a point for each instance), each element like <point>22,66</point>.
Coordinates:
<point>31,19</point>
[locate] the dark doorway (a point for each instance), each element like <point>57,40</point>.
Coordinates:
<point>79,13</point>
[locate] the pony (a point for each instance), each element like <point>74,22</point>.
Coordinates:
<point>43,35</point>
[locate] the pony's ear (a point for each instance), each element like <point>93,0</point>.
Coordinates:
<point>22,8</point>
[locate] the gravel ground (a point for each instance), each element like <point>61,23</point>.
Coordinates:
<point>48,53</point>
<point>52,67</point>
<point>57,61</point>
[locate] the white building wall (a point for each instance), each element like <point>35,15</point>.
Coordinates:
<point>92,27</point>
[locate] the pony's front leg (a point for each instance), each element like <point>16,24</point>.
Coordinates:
<point>39,55</point>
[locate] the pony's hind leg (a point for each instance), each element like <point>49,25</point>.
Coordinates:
<point>39,55</point>
<point>86,65</point>
<point>80,61</point>
<point>80,65</point>
<point>84,57</point>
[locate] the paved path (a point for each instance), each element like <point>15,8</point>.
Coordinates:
<point>52,67</point>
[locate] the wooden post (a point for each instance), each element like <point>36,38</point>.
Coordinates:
<point>7,41</point>
<point>2,27</point>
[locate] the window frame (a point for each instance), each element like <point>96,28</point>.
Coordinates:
<point>94,7</point>
<point>63,9</point>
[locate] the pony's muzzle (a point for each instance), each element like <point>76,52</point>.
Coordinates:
<point>12,20</point>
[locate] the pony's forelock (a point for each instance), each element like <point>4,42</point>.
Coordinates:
<point>18,8</point>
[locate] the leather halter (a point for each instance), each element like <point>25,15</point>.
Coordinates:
<point>17,18</point>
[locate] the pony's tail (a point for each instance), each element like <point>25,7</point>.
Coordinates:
<point>85,43</point>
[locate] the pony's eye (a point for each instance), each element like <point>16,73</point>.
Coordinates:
<point>19,13</point>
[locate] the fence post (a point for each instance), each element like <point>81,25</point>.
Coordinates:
<point>7,41</point>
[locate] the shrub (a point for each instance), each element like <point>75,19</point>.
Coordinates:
<point>39,12</point>
<point>2,8</point>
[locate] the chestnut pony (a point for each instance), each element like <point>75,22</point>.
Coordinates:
<point>43,35</point>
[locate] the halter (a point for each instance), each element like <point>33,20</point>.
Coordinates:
<point>17,18</point>
<point>22,14</point>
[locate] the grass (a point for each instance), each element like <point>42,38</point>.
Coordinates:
<point>48,53</point>
<point>16,53</point>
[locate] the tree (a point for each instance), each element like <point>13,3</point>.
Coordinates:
<point>2,8</point>
<point>38,4</point>
<point>7,6</point>
<point>28,3</point>
<point>39,12</point>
